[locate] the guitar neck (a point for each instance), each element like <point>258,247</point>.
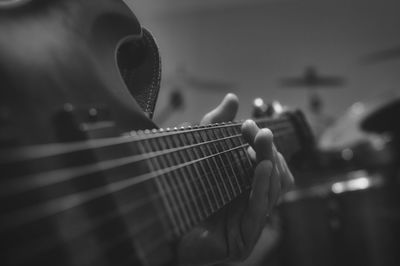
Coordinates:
<point>202,169</point>
<point>149,188</point>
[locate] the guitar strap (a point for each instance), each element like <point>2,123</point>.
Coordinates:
<point>140,65</point>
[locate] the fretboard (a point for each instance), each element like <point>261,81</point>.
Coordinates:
<point>197,170</point>
<point>150,186</point>
<point>200,170</point>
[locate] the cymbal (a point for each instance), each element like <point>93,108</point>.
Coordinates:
<point>384,119</point>
<point>362,121</point>
<point>381,56</point>
<point>311,79</point>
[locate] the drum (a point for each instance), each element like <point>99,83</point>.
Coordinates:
<point>353,220</point>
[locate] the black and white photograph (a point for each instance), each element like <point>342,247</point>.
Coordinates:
<point>199,133</point>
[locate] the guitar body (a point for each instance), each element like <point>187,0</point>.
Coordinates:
<point>59,52</point>
<point>60,81</point>
<point>75,189</point>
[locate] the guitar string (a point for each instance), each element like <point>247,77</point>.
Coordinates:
<point>207,189</point>
<point>52,177</point>
<point>43,179</point>
<point>49,150</point>
<point>54,206</point>
<point>126,209</point>
<point>70,201</point>
<point>161,240</point>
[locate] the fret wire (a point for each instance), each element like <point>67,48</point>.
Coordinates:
<point>48,150</point>
<point>178,179</point>
<point>218,161</point>
<point>238,167</point>
<point>188,191</point>
<point>238,152</point>
<point>172,180</point>
<point>214,166</point>
<point>181,225</point>
<point>124,210</point>
<point>236,156</point>
<point>215,184</point>
<point>171,200</point>
<point>191,139</point>
<point>149,201</point>
<point>157,196</point>
<point>197,186</point>
<point>229,158</point>
<point>229,173</point>
<point>167,180</point>
<point>200,185</point>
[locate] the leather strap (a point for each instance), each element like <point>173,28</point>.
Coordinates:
<point>140,64</point>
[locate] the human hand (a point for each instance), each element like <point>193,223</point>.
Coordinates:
<point>231,234</point>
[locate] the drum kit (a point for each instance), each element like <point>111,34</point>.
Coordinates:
<point>345,209</point>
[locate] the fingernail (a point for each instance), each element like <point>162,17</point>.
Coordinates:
<point>249,122</point>
<point>232,95</point>
<point>267,131</point>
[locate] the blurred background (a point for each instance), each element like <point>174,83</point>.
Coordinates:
<point>336,60</point>
<point>249,46</point>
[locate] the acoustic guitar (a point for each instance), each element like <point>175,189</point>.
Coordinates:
<point>86,178</point>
